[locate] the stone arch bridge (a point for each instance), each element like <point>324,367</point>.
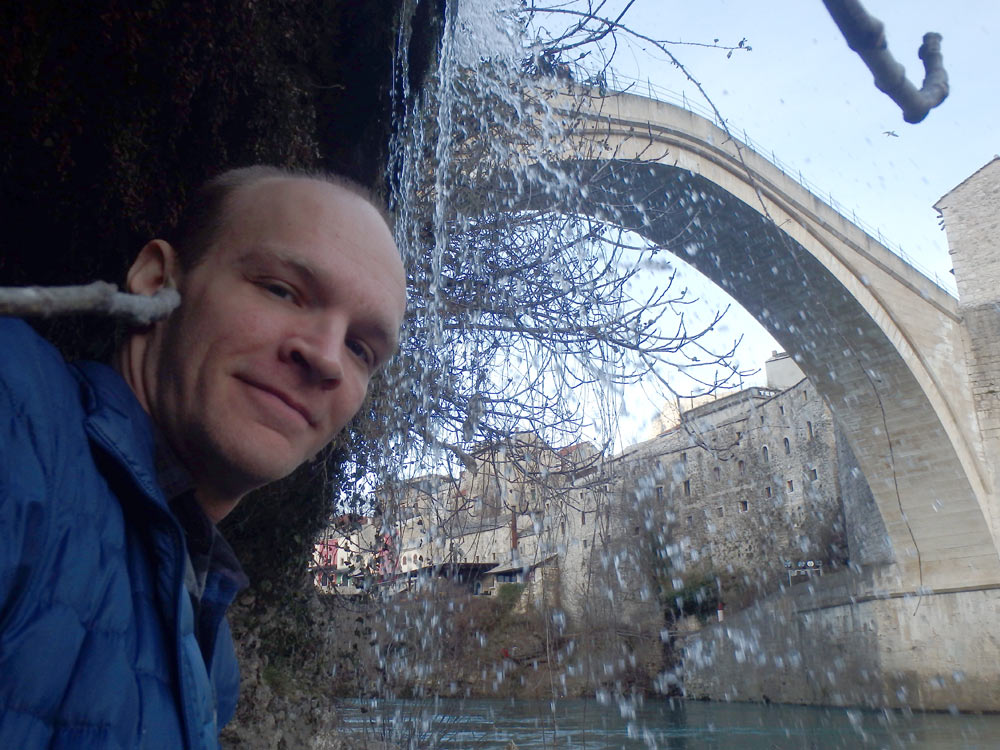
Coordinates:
<point>883,344</point>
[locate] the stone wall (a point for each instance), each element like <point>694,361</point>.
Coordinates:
<point>752,481</point>
<point>818,647</point>
<point>971,213</point>
<point>982,327</point>
<point>972,220</point>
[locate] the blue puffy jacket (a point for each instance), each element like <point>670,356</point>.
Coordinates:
<point>97,644</point>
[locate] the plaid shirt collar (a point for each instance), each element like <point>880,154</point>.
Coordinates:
<point>213,576</point>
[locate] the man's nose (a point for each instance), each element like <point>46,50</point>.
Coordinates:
<point>318,354</point>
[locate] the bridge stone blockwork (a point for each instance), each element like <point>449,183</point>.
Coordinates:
<point>883,344</point>
<point>911,374</point>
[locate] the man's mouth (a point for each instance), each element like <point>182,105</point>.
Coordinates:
<point>285,398</point>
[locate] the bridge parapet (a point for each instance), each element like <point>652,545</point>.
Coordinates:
<point>623,85</point>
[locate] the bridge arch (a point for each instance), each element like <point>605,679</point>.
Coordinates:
<point>880,342</point>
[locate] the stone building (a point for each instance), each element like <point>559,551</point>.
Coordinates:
<point>345,557</point>
<point>751,490</point>
<point>753,487</point>
<point>486,527</point>
<point>971,212</point>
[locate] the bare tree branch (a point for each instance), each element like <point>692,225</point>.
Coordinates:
<point>866,36</point>
<point>98,297</point>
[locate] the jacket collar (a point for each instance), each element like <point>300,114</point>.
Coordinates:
<point>117,422</point>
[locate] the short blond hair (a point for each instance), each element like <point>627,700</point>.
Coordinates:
<point>203,215</point>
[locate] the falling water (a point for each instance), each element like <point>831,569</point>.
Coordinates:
<point>531,311</point>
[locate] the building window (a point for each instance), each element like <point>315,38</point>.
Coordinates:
<point>742,467</point>
<point>585,543</point>
<point>684,458</point>
<point>781,410</point>
<point>791,486</point>
<point>718,473</point>
<point>659,492</point>
<point>788,447</point>
<point>762,419</point>
<point>562,527</point>
<point>767,491</point>
<point>809,427</point>
<point>690,520</point>
<point>744,506</point>
<point>720,511</point>
<point>813,474</point>
<point>583,518</point>
<point>763,452</point>
<point>687,487</point>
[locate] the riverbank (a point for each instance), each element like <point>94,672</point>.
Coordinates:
<point>303,653</point>
<point>506,647</point>
<point>307,657</point>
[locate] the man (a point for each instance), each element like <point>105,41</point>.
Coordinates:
<point>113,578</point>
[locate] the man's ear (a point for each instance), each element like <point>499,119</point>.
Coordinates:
<point>155,267</point>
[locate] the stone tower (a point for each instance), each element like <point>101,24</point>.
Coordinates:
<point>971,213</point>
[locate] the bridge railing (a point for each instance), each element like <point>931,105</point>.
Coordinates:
<point>617,83</point>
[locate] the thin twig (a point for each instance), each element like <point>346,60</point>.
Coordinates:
<point>99,297</point>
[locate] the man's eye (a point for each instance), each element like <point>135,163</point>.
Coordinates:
<point>283,291</point>
<point>362,352</point>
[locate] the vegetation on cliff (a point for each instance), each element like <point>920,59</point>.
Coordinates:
<point>113,114</point>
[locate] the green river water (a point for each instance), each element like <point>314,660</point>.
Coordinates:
<point>659,723</point>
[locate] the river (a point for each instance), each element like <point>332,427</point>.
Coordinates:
<point>659,723</point>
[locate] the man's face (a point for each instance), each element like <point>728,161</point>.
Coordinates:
<point>283,323</point>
